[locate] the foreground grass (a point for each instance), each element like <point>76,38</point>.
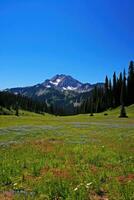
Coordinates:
<point>73,158</point>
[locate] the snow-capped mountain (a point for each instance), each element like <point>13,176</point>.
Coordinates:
<point>67,83</point>
<point>60,87</point>
<point>62,82</point>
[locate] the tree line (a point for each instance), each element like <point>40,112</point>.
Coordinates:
<point>15,102</point>
<point>115,92</point>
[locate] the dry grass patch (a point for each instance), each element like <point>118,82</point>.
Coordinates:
<point>6,195</point>
<point>126,179</point>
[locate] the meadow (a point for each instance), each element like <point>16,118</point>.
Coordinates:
<point>45,157</point>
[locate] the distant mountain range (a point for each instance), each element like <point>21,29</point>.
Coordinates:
<point>61,89</point>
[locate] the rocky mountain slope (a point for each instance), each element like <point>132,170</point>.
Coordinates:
<point>59,90</point>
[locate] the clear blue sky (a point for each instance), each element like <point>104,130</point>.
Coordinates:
<point>83,38</point>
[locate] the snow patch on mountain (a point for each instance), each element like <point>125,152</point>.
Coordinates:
<point>56,82</point>
<point>69,88</point>
<point>48,86</point>
<point>66,83</point>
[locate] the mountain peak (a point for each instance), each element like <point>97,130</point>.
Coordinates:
<point>62,82</point>
<point>58,76</point>
<point>57,84</point>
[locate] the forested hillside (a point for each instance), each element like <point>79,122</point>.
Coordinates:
<point>15,102</point>
<point>119,90</point>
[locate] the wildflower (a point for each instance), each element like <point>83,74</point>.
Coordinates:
<point>78,186</point>
<point>88,184</point>
<point>76,189</point>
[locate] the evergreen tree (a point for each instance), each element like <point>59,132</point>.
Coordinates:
<point>114,90</point>
<point>110,94</point>
<point>106,92</point>
<point>123,97</point>
<point>130,87</point>
<point>125,87</point>
<point>123,111</point>
<point>118,89</point>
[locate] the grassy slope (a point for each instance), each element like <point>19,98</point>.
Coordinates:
<point>76,157</point>
<point>116,112</point>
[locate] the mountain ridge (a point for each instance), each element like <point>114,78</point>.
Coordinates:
<point>60,82</point>
<point>61,91</point>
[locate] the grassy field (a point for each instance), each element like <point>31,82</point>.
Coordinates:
<point>72,158</point>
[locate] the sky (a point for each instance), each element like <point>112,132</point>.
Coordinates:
<point>87,39</point>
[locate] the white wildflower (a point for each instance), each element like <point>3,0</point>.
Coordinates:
<point>76,189</point>
<point>88,184</point>
<point>78,186</point>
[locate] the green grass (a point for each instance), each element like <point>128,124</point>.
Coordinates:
<point>73,158</point>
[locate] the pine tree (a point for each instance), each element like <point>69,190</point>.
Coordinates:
<point>110,94</point>
<point>125,87</point>
<point>118,89</point>
<point>114,90</point>
<point>123,112</point>
<point>106,92</point>
<point>122,99</point>
<point>130,88</point>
